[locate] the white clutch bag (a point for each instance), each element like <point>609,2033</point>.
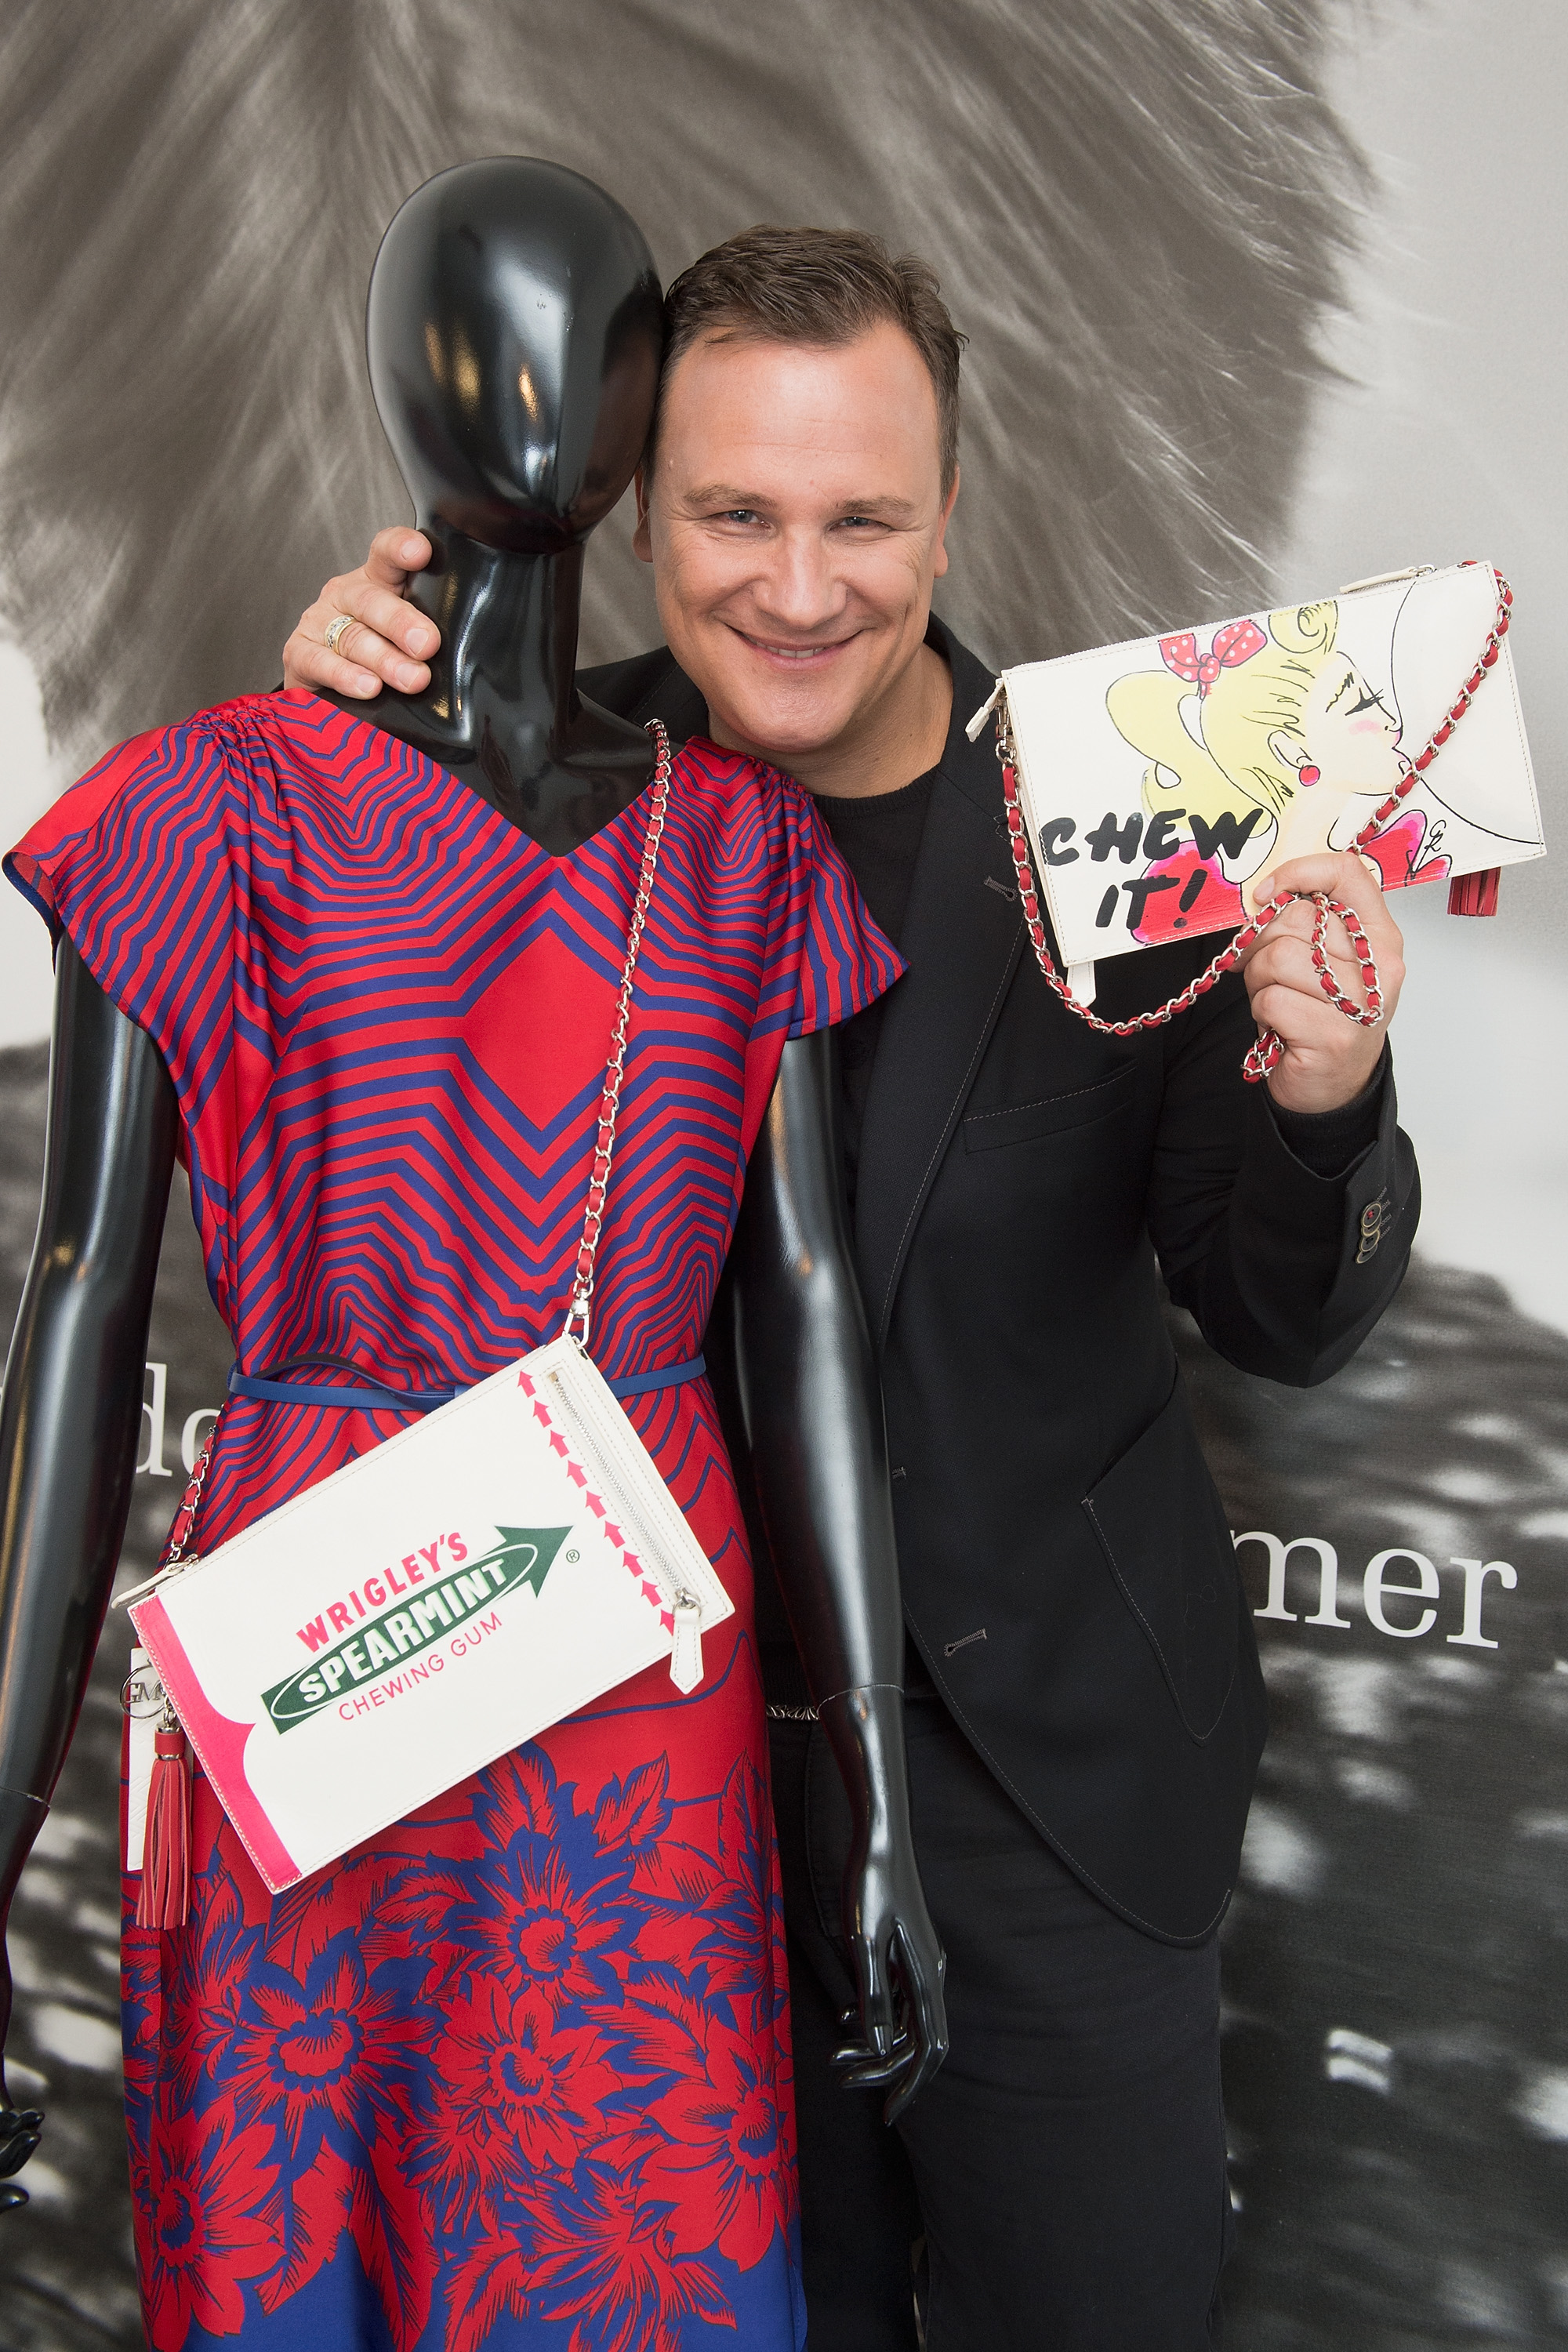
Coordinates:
<point>1162,781</point>
<point>429,1606</point>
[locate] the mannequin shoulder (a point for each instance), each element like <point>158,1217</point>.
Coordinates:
<point>649,686</point>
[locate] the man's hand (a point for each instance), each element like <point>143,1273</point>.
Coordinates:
<point>1327,1060</point>
<point>390,642</point>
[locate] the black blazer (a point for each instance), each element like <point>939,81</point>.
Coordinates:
<point>1023,1182</point>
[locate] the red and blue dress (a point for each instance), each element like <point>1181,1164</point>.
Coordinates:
<point>514,2074</point>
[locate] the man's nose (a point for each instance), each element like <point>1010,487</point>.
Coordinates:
<point>797,588</point>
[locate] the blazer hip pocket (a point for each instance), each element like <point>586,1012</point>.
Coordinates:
<point>1162,1529</point>
<point>986,1130</point>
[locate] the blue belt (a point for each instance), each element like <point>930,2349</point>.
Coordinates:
<point>248,1385</point>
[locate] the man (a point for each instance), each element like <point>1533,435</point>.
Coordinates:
<point>1085,1705</point>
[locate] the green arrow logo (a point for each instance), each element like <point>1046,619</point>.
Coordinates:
<point>393,1640</point>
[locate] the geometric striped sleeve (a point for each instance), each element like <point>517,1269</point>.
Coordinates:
<point>826,957</point>
<point>823,960</point>
<point>142,865</point>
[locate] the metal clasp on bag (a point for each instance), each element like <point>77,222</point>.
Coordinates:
<point>141,1695</point>
<point>178,1559</point>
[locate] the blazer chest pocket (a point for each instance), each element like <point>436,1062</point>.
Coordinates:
<point>984,1130</point>
<point>1162,1529</point>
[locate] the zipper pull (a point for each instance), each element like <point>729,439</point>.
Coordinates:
<point>139,1591</point>
<point>686,1657</point>
<point>983,713</point>
<point>1385,579</point>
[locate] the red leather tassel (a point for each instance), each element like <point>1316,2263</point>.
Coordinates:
<point>1474,894</point>
<point>165,1897</point>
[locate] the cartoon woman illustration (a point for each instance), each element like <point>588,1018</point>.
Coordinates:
<point>1265,748</point>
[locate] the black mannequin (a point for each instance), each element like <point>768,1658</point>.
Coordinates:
<point>514,329</point>
<point>514,334</point>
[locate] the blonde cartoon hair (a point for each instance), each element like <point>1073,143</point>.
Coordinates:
<point>1233,765</point>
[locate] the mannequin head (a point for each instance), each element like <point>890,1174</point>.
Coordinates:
<point>514,329</point>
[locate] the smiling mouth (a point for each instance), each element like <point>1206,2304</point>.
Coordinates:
<point>798,655</point>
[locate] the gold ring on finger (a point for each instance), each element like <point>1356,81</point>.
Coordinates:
<point>333,636</point>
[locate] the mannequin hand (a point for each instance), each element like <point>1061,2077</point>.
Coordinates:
<point>900,1966</point>
<point>20,2129</point>
<point>898,1959</point>
<point>1327,1059</point>
<point>392,641</point>
<point>20,2132</point>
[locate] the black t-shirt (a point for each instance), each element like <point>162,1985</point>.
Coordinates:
<point>878,840</point>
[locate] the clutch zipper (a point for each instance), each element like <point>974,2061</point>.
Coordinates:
<point>686,1653</point>
<point>1386,579</point>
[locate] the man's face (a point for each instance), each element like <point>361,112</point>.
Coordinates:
<point>795,519</point>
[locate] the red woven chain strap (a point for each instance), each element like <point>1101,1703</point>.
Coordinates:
<point>1264,1053</point>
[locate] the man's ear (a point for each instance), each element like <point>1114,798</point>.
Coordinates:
<point>642,540</point>
<point>939,561</point>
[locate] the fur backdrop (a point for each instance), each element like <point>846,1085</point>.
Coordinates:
<point>1137,210</point>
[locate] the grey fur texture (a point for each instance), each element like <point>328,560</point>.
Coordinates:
<point>1138,209</point>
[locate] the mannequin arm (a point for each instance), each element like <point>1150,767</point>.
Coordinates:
<point>813,1417</point>
<point>71,1409</point>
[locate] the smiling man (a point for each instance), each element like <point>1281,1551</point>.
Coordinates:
<point>1085,1706</point>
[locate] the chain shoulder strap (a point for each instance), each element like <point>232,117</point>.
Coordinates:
<point>176,1554</point>
<point>1264,1053</point>
<point>577,1314</point>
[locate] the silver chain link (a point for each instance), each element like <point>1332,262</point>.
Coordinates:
<point>577,1314</point>
<point>185,1517</point>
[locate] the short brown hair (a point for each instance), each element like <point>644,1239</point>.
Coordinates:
<point>818,286</point>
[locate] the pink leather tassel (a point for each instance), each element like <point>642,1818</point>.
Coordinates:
<point>1474,894</point>
<point>165,1898</point>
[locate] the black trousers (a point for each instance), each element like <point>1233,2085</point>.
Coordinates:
<point>1061,2185</point>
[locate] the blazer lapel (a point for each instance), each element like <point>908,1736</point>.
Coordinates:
<point>963,936</point>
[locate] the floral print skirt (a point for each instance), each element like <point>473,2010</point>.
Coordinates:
<point>514,2074</point>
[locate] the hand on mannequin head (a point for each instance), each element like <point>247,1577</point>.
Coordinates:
<point>392,641</point>
<point>813,1417</point>
<point>71,1411</point>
